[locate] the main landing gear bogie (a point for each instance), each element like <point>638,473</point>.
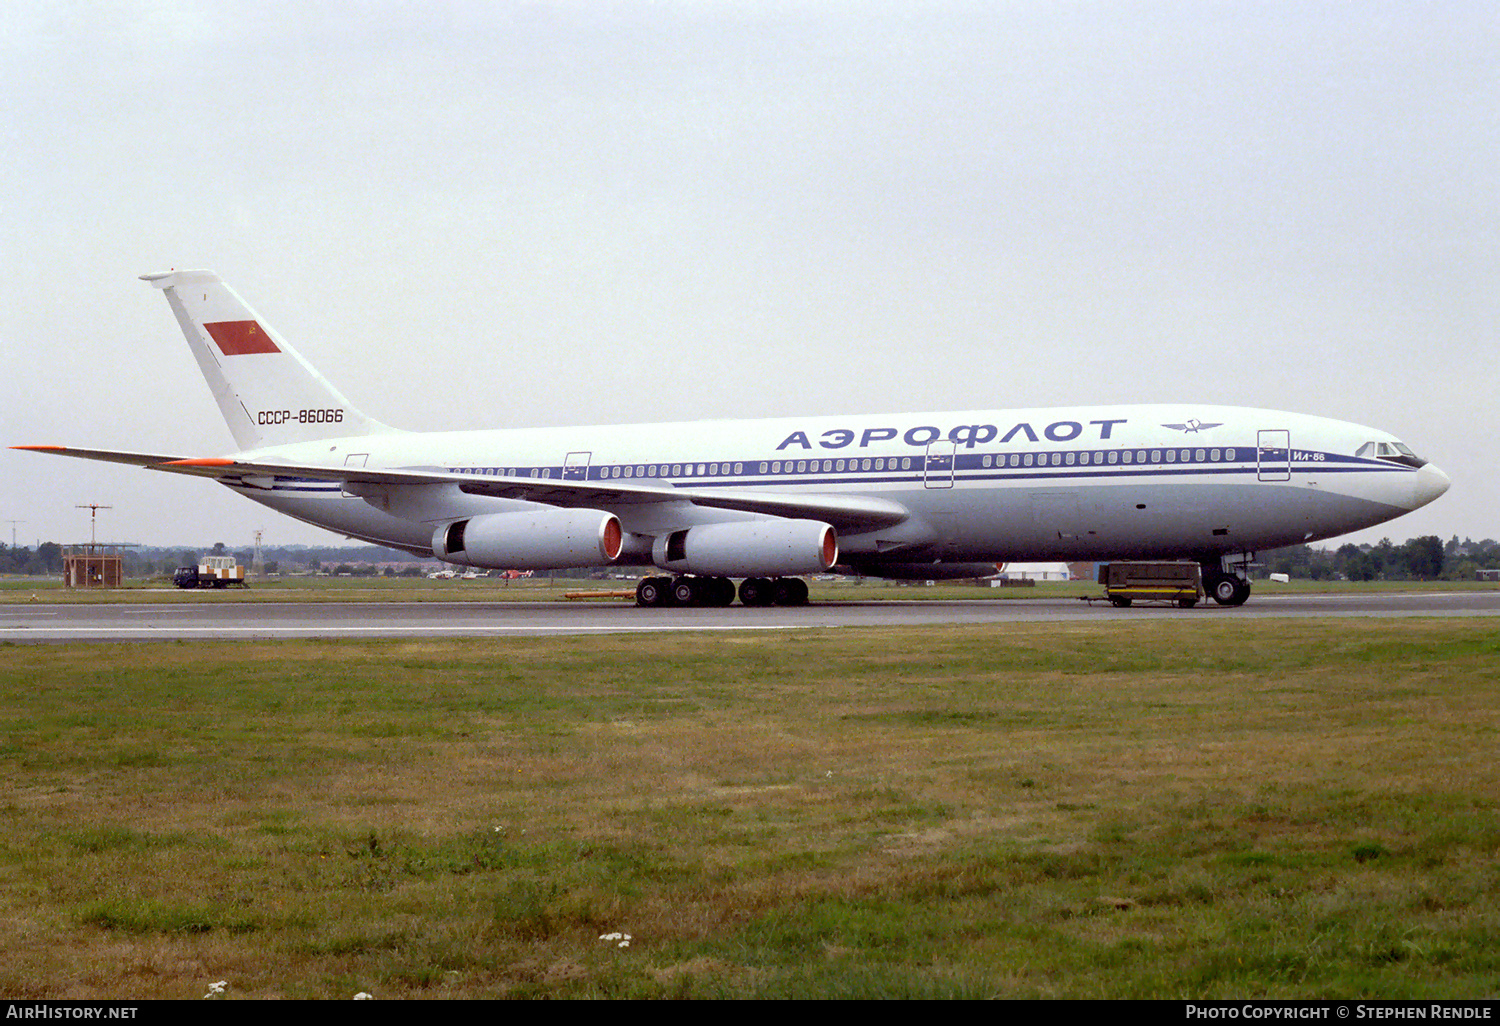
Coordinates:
<point>657,592</point>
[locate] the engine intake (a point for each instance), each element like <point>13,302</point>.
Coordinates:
<point>549,539</point>
<point>749,548</point>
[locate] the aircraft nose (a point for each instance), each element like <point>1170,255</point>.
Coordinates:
<point>1429,482</point>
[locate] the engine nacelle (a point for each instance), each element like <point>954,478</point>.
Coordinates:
<point>548,539</point>
<point>749,548</point>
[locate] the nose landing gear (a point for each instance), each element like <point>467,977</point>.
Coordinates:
<point>1228,585</point>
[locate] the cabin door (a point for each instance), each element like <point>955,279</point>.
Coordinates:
<point>354,459</point>
<point>1273,455</point>
<point>938,467</point>
<point>576,466</point>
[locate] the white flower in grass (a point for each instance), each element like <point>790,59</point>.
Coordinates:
<point>216,990</point>
<point>362,996</point>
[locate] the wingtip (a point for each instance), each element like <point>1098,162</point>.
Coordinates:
<point>39,448</point>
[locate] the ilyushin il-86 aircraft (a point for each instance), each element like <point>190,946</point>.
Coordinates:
<point>918,495</point>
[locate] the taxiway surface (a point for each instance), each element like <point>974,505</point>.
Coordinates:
<point>230,621</point>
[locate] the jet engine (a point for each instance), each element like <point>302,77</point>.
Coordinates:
<point>749,548</point>
<point>548,539</point>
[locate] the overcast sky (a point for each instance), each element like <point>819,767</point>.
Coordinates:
<point>495,214</point>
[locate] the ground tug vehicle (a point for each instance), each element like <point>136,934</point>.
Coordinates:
<point>1179,582</point>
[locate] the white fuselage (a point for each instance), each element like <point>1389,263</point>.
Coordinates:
<point>1036,484</point>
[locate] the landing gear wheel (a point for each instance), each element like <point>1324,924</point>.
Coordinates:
<point>757,591</point>
<point>1229,589</point>
<point>720,592</point>
<point>653,592</point>
<point>1222,588</point>
<point>687,592</point>
<point>791,591</point>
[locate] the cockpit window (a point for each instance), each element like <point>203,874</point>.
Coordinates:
<point>1391,452</point>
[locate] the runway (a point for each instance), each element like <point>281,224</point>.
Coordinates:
<point>52,624</point>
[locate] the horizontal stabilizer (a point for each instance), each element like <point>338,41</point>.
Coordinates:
<point>135,459</point>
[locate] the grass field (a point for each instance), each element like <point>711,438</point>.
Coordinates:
<point>1143,809</point>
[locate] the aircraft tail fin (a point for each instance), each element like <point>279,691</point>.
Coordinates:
<point>268,394</point>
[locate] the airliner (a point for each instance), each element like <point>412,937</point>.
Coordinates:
<point>929,496</point>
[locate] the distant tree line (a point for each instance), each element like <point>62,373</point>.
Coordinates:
<point>45,559</point>
<point>145,561</point>
<point>149,561</point>
<point>1424,559</point>
<point>1427,558</point>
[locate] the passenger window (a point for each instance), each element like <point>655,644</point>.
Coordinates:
<point>1171,455</point>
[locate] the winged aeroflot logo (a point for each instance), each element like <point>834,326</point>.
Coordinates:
<point>1192,427</point>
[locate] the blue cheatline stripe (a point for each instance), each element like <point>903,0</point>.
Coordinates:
<point>961,467</point>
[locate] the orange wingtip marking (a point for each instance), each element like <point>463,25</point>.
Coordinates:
<point>40,448</point>
<point>206,462</point>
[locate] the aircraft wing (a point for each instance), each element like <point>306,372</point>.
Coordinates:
<point>847,513</point>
